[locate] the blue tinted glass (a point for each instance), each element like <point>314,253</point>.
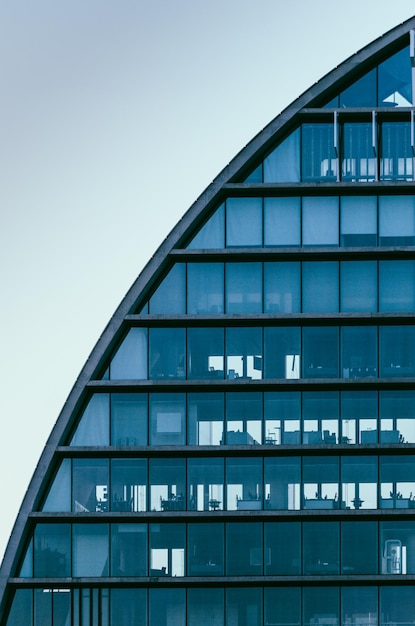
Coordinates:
<point>321,548</point>
<point>59,496</point>
<point>130,360</point>
<point>128,606</point>
<point>396,161</point>
<point>129,485</point>
<point>359,482</point>
<point>282,353</point>
<point>282,413</point>
<point>359,544</point>
<point>359,357</point>
<point>321,487</point>
<point>318,156</point>
<point>358,286</point>
<point>358,160</point>
<point>394,80</point>
<point>205,549</point>
<point>397,220</point>
<point>362,93</point>
<point>320,221</point>
<point>129,550</point>
<point>167,353</point>
<point>282,287</point>
<point>167,419</point>
<point>52,551</point>
<point>21,610</point>
<point>243,418</point>
<point>244,222</point>
<point>359,411</point>
<point>397,285</point>
<point>244,552</point>
<point>167,551</point>
<point>205,288</point>
<point>320,286</point>
<point>205,606</point>
<point>205,418</point>
<point>93,429</point>
<point>244,288</point>
<point>321,605</point>
<point>397,482</point>
<point>244,353</point>
<point>205,353</point>
<point>255,176</point>
<point>320,417</point>
<point>397,345</point>
<point>282,222</point>
<point>359,604</point>
<point>212,234</point>
<point>168,485</point>
<point>129,417</point>
<point>282,605</point>
<point>205,481</point>
<point>170,295</point>
<point>397,604</point>
<point>244,484</point>
<point>282,477</point>
<point>243,606</point>
<point>282,543</point>
<point>320,352</point>
<point>358,221</point>
<point>395,553</point>
<point>397,414</point>
<point>90,485</point>
<point>165,603</point>
<point>283,164</point>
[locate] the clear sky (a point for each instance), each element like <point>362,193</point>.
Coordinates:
<point>115,116</point>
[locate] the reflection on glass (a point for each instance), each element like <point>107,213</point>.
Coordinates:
<point>129,419</point>
<point>321,483</point>
<point>320,221</point>
<point>128,606</point>
<point>282,352</point>
<point>244,551</point>
<point>283,164</point>
<point>205,606</point>
<point>282,222</point>
<point>358,286</point>
<point>282,478</point>
<point>362,93</point>
<point>321,605</point>
<point>397,539</point>
<point>205,418</point>
<point>167,419</point>
<point>244,353</point>
<point>129,485</point>
<point>243,418</point>
<point>244,222</point>
<point>205,353</point>
<point>359,410</point>
<point>167,484</point>
<point>282,287</point>
<point>90,550</point>
<point>204,288</point>
<point>90,485</point>
<point>167,550</point>
<point>397,349</point>
<point>397,416</point>
<point>244,484</point>
<point>396,162</point>
<point>93,428</point>
<point>320,352</point>
<point>359,482</point>
<point>397,220</point>
<point>212,233</point>
<point>282,413</point>
<point>359,546</point>
<point>321,549</point>
<point>396,285</point>
<point>52,550</point>
<point>170,295</point>
<point>360,605</point>
<point>130,360</point>
<point>205,479</point>
<point>129,550</point>
<point>282,605</point>
<point>167,353</point>
<point>320,417</point>
<point>397,482</point>
<point>359,352</point>
<point>282,548</point>
<point>320,286</point>
<point>358,221</point>
<point>395,80</point>
<point>205,549</point>
<point>244,288</point>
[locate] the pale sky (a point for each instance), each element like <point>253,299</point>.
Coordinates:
<point>115,116</point>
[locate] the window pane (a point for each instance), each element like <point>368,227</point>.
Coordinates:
<point>282,413</point>
<point>244,547</point>
<point>283,164</point>
<point>321,605</point>
<point>128,606</point>
<point>359,161</point>
<point>282,353</point>
<point>129,417</point>
<point>167,607</point>
<point>361,93</point>
<point>244,288</point>
<point>394,80</point>
<point>170,296</point>
<point>396,161</point>
<point>130,361</point>
<point>282,483</point>
<point>359,351</point>
<point>61,607</point>
<point>167,353</point>
<point>205,353</point>
<point>321,352</point>
<point>167,419</point>
<point>396,547</point>
<point>358,224</point>
<point>359,482</point>
<point>205,549</point>
<point>206,479</point>
<point>397,345</point>
<point>282,605</point>
<point>320,417</point>
<point>320,221</point>
<point>90,485</point>
<point>397,478</point>
<point>397,605</point>
<point>318,156</point>
<point>282,548</point>
<point>168,484</point>
<point>360,605</point>
<point>244,353</point>
<point>359,546</point>
<point>205,288</point>
<point>358,286</point>
<point>397,285</point>
<point>243,606</point>
<point>167,550</point>
<point>212,234</point>
<point>244,222</point>
<point>397,414</point>
<point>205,419</point>
<point>244,484</point>
<point>129,550</point>
<point>21,610</point>
<point>93,429</point>
<point>59,496</point>
<point>321,483</point>
<point>205,607</point>
<point>129,485</point>
<point>52,556</point>
<point>397,220</point>
<point>320,286</point>
<point>321,548</point>
<point>359,411</point>
<point>282,222</point>
<point>90,550</point>
<point>282,287</point>
<point>243,418</point>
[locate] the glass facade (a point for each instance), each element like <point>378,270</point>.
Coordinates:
<point>240,448</point>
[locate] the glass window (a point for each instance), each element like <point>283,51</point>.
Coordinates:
<point>397,220</point>
<point>397,346</point>
<point>205,352</point>
<point>360,605</point>
<point>394,80</point>
<point>42,607</point>
<point>282,353</point>
<point>244,288</point>
<point>397,285</point>
<point>167,550</point>
<point>244,222</point>
<point>362,93</point>
<point>243,418</point>
<point>282,552</point>
<point>396,161</point>
<point>282,483</point>
<point>320,286</point>
<point>26,569</point>
<point>205,288</point>
<point>321,548</point>
<point>359,351</point>
<point>167,353</point>
<point>320,352</point>
<point>359,545</point>
<point>167,419</point>
<point>282,287</point>
<point>321,605</point>
<point>397,540</point>
<point>21,611</point>
<point>320,221</point>
<point>129,417</point>
<point>90,485</point>
<point>358,221</point>
<point>359,482</point>
<point>321,483</point>
<point>244,353</point>
<point>282,605</point>
<point>90,550</point>
<point>256,176</point>
<point>167,607</point>
<point>283,164</point>
<point>205,606</point>
<point>205,549</point>
<point>397,482</point>
<point>212,233</point>
<point>358,286</point>
<point>282,222</point>
<point>244,549</point>
<point>129,550</point>
<point>282,413</point>
<point>93,428</point>
<point>397,416</point>
<point>52,555</point>
<point>318,156</point>
<point>244,484</point>
<point>244,606</point>
<point>358,160</point>
<point>168,484</point>
<point>59,496</point>
<point>129,485</point>
<point>397,605</point>
<point>128,606</point>
<point>320,417</point>
<point>359,411</point>
<point>170,295</point>
<point>205,479</point>
<point>130,361</point>
<point>205,419</point>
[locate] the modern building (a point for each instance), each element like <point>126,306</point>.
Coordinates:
<point>239,448</point>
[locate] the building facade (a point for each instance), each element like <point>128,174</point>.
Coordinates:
<point>240,447</point>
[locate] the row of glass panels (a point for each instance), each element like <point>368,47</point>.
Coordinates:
<point>217,549</point>
<point>215,606</point>
<point>286,287</point>
<point>284,352</point>
<point>349,221</point>
<point>360,151</point>
<point>235,484</point>
<point>270,418</point>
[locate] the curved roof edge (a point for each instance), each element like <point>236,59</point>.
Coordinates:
<point>366,56</point>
